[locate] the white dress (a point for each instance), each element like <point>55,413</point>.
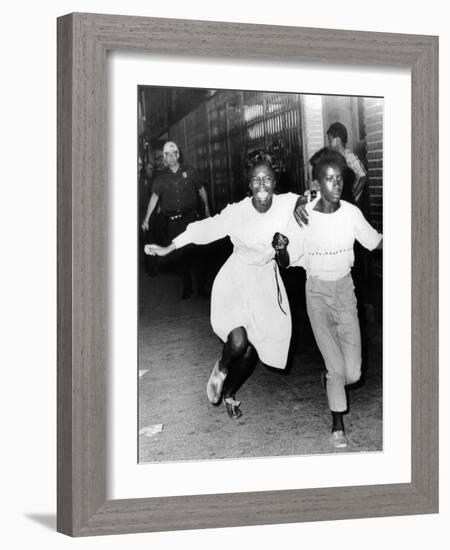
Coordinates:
<point>248,291</point>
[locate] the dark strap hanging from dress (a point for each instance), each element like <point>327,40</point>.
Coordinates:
<point>279,295</point>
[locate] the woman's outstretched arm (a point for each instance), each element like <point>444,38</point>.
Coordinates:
<point>156,250</point>
<point>201,232</point>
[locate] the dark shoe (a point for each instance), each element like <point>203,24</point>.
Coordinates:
<point>215,384</point>
<point>232,406</point>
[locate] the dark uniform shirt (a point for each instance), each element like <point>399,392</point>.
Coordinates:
<point>177,190</point>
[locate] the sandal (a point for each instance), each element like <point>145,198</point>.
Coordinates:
<point>232,406</point>
<point>215,384</point>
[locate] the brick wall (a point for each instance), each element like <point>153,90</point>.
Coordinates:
<point>373,126</point>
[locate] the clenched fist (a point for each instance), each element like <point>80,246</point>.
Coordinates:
<point>279,242</point>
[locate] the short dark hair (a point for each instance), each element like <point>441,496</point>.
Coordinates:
<point>326,157</point>
<point>329,158</point>
<point>337,129</point>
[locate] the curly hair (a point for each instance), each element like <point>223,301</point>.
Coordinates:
<point>261,157</point>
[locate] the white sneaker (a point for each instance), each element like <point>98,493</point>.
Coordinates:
<point>339,439</point>
<point>215,384</point>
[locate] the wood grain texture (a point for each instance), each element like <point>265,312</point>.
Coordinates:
<point>425,251</point>
<point>64,297</point>
<point>83,202</point>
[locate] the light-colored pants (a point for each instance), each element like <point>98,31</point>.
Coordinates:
<point>334,319</point>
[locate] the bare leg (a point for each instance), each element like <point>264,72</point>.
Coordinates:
<point>240,371</point>
<point>233,350</point>
<point>240,366</point>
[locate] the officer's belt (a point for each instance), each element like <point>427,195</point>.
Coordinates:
<point>174,215</point>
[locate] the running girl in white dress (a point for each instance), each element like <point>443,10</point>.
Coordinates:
<point>249,307</point>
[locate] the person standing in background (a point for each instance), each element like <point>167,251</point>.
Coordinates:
<point>177,191</point>
<point>145,176</point>
<point>154,233</point>
<point>355,191</point>
<point>355,188</point>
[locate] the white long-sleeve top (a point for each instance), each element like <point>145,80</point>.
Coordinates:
<point>325,246</point>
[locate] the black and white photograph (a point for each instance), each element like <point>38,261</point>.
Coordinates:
<point>260,277</point>
<point>221,282</point>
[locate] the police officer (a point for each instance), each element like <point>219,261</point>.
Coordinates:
<point>177,190</point>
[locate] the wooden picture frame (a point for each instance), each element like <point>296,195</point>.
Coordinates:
<point>83,41</point>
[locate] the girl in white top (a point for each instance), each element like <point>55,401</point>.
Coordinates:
<point>325,249</point>
<point>249,307</point>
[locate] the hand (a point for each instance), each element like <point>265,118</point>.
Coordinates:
<point>280,242</point>
<point>145,225</point>
<point>300,213</point>
<point>156,250</point>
